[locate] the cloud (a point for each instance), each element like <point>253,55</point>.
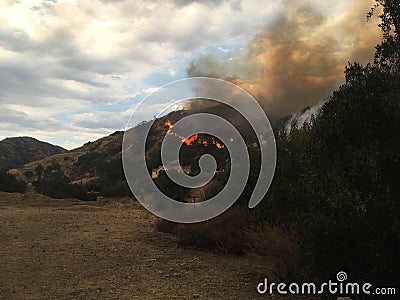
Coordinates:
<point>18,123</point>
<point>82,59</point>
<point>111,120</point>
<point>64,57</point>
<point>101,120</point>
<point>21,121</point>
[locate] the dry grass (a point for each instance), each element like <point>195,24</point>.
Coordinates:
<point>224,232</point>
<point>165,225</point>
<point>282,250</point>
<point>108,249</point>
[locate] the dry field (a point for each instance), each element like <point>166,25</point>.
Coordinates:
<point>109,249</point>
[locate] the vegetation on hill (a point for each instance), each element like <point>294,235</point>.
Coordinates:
<point>52,182</point>
<point>9,183</point>
<point>82,173</point>
<point>333,204</point>
<point>337,181</point>
<point>17,151</point>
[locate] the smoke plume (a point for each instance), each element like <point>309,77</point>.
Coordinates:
<point>298,59</point>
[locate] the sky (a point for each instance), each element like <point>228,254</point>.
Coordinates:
<point>71,71</point>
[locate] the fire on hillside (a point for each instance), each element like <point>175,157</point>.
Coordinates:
<point>189,141</point>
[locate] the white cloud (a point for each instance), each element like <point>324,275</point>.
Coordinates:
<point>73,57</point>
<point>223,50</point>
<point>112,121</point>
<point>150,90</point>
<point>70,145</point>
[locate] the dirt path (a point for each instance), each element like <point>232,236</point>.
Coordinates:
<point>66,249</point>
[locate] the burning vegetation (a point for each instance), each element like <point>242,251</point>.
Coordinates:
<point>194,139</point>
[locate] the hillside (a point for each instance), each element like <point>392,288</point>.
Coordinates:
<point>83,164</point>
<point>77,164</point>
<point>17,151</point>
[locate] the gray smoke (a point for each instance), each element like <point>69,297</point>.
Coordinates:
<point>299,59</point>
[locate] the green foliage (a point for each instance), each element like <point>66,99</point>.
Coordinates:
<point>110,170</point>
<point>153,159</point>
<point>61,189</point>
<point>337,180</point>
<point>111,180</point>
<point>29,173</point>
<point>87,159</point>
<point>169,188</point>
<point>117,189</point>
<point>55,184</point>
<point>39,170</point>
<point>9,183</point>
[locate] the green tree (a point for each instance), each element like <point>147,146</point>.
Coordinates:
<point>39,170</point>
<point>338,179</point>
<point>9,183</point>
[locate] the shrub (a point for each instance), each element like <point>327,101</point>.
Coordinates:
<point>165,226</point>
<point>60,188</point>
<point>198,235</point>
<point>87,159</point>
<point>39,170</point>
<point>110,170</point>
<point>115,189</point>
<point>9,183</point>
<point>224,232</point>
<point>337,180</point>
<point>80,192</point>
<point>282,250</point>
<point>229,234</point>
<point>29,173</point>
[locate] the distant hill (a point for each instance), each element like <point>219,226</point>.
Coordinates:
<point>79,163</point>
<point>17,151</point>
<point>83,164</point>
<point>97,165</point>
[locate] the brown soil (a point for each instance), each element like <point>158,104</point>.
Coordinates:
<point>109,249</point>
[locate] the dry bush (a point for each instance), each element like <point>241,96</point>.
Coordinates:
<point>165,226</point>
<point>199,235</point>
<point>229,230</point>
<point>224,232</point>
<point>282,250</point>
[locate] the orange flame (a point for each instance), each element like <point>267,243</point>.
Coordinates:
<point>169,125</point>
<point>218,145</point>
<point>194,138</point>
<point>190,140</point>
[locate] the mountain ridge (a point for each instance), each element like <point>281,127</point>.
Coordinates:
<point>81,164</point>
<point>17,151</point>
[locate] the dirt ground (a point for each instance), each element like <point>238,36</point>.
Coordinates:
<point>109,249</point>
